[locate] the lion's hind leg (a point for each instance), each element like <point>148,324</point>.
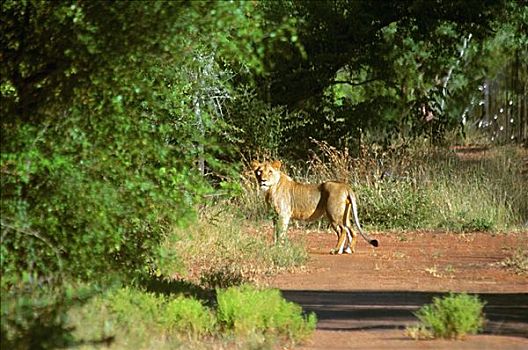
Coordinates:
<point>343,243</point>
<point>352,239</point>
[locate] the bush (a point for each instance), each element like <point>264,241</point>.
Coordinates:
<point>102,163</point>
<point>395,205</point>
<point>184,315</point>
<point>34,316</point>
<point>136,318</point>
<point>144,315</point>
<point>245,310</point>
<point>188,316</point>
<point>453,317</point>
<point>132,305</point>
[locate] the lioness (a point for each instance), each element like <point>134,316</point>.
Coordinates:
<point>291,199</point>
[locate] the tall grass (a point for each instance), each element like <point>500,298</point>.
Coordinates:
<point>416,185</point>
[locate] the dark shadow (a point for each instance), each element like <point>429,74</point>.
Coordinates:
<point>470,149</point>
<point>506,314</point>
<point>161,285</point>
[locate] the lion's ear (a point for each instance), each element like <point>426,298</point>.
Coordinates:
<point>254,164</point>
<point>276,164</point>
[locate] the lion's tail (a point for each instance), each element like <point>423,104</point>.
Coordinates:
<point>353,204</point>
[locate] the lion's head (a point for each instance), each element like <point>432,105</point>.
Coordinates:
<point>268,174</point>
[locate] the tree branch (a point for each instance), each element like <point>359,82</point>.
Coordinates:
<point>353,83</point>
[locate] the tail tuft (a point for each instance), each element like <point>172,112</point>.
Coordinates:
<point>374,242</point>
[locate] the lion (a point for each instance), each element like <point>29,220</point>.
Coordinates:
<point>293,200</point>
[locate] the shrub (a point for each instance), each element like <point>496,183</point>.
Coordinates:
<point>245,310</point>
<point>188,316</point>
<point>143,312</point>
<point>135,318</point>
<point>453,317</point>
<point>395,205</point>
<point>132,305</point>
<point>34,316</point>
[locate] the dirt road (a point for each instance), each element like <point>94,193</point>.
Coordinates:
<point>365,300</point>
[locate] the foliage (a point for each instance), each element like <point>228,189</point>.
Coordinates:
<point>121,119</point>
<point>34,318</point>
<point>453,317</point>
<point>245,309</point>
<point>98,160</point>
<point>109,112</point>
<point>184,315</point>
<point>135,317</point>
<point>382,67</point>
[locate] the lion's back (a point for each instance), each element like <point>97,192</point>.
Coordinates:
<point>305,199</point>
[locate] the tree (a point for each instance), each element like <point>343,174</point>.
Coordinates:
<point>98,159</point>
<point>376,65</point>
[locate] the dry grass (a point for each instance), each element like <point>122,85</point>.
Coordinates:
<point>229,251</point>
<point>407,186</point>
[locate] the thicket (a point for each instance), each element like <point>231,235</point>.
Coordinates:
<point>122,121</point>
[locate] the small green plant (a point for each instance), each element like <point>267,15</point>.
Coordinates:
<point>452,317</point>
<point>245,310</point>
<point>479,224</point>
<point>518,262</point>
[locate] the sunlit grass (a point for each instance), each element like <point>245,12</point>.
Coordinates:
<point>227,250</point>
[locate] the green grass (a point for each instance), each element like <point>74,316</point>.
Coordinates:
<point>452,317</point>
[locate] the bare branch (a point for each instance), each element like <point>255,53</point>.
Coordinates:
<point>353,83</point>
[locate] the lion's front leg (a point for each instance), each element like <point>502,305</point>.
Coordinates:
<point>281,227</point>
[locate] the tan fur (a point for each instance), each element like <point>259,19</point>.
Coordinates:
<point>293,200</point>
